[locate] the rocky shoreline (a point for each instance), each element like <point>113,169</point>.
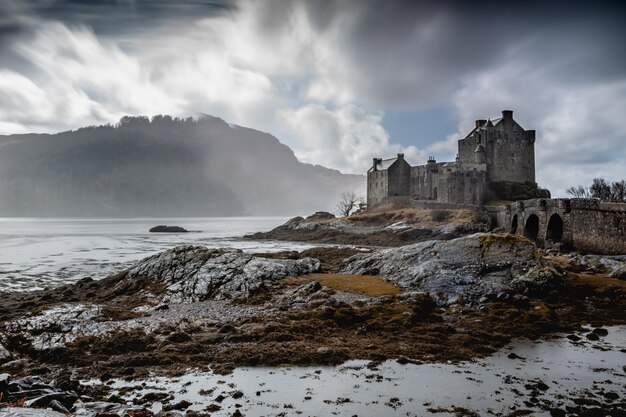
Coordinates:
<point>191,307</point>
<point>394,228</point>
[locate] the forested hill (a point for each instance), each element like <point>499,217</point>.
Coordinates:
<point>162,167</point>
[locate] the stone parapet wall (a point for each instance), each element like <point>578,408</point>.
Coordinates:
<point>589,225</point>
<point>599,227</point>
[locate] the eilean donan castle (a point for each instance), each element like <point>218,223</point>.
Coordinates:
<point>496,160</point>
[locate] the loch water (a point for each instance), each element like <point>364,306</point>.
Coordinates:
<point>39,253</point>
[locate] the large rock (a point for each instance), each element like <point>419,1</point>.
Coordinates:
<point>99,409</point>
<point>183,274</point>
<point>614,266</point>
<point>27,383</point>
<point>5,355</point>
<point>28,412</point>
<point>472,266</point>
<point>4,384</point>
<point>39,395</point>
<point>60,324</point>
<point>195,273</point>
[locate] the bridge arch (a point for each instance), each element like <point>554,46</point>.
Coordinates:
<point>531,228</point>
<point>581,224</point>
<point>554,231</point>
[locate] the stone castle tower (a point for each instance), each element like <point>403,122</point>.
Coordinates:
<point>496,160</point>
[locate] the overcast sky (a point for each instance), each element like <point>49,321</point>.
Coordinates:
<point>339,81</point>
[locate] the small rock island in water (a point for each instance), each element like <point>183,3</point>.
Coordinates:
<point>168,229</point>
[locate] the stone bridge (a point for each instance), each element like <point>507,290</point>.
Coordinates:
<point>586,225</point>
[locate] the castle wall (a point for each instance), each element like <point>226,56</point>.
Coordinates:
<point>509,149</point>
<point>498,155</point>
<point>462,187</point>
<point>466,148</point>
<point>424,180</point>
<point>511,153</point>
<point>399,178</point>
<point>501,217</point>
<point>377,187</point>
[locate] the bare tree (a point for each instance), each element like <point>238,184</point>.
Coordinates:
<point>578,192</point>
<point>347,203</point>
<point>602,190</point>
<point>618,191</point>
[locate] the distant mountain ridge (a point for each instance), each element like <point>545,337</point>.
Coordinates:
<point>162,167</point>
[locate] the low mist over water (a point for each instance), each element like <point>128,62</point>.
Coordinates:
<point>162,167</point>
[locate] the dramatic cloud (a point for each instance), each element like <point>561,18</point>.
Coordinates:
<point>580,134</point>
<point>320,75</point>
<point>345,137</point>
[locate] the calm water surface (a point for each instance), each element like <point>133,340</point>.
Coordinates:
<point>494,386</point>
<point>39,253</point>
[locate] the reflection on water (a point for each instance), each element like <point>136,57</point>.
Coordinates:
<point>37,253</point>
<point>553,373</point>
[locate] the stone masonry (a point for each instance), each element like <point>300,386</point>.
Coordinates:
<point>495,153</point>
<point>587,225</point>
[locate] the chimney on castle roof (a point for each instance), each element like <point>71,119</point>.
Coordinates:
<point>400,156</point>
<point>507,114</point>
<point>480,122</point>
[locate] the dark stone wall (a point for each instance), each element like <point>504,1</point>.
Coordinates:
<point>467,147</point>
<point>462,187</point>
<point>599,227</point>
<point>588,225</point>
<point>424,180</point>
<point>511,153</point>
<point>399,178</point>
<point>508,171</point>
<point>376,187</point>
<point>509,150</point>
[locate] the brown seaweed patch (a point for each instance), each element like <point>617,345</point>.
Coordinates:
<point>598,282</point>
<point>370,285</point>
<point>488,239</point>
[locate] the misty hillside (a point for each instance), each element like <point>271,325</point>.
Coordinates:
<point>162,167</point>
